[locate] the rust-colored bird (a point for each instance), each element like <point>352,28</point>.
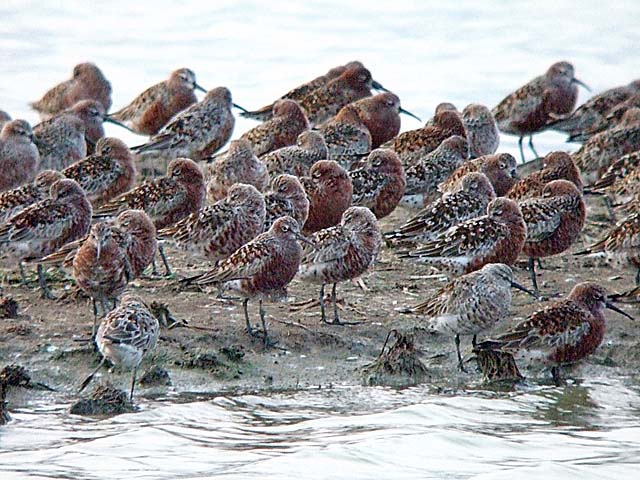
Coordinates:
<point>87,83</point>
<point>329,190</point>
<point>347,137</point>
<point>13,201</point>
<point>499,168</point>
<point>153,108</point>
<point>286,198</point>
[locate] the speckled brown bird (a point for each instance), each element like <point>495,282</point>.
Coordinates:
<point>562,333</point>
<point>46,226</point>
<point>298,93</point>
<point>470,304</point>
<point>347,137</point>
<point>238,165</point>
<point>620,243</point>
<point>282,130</point>
<point>125,335</point>
<point>218,230</point>
<point>153,108</point>
<point>286,198</point>
<point>297,159</point>
<point>329,190</point>
<point>197,132</point>
<point>554,221</point>
<point>93,115</point>
<point>87,83</point>
<point>60,141</point>
<point>557,166</point>
<point>481,130</point>
<point>600,151</point>
<point>260,268</point>
<point>323,103</point>
<point>381,115</point>
<point>591,117</point>
<point>166,200</point>
<point>499,168</point>
<point>380,183</point>
<point>619,175</point>
<point>413,145</point>
<point>12,201</point>
<point>424,176</point>
<point>495,237</point>
<point>531,107</point>
<point>341,253</point>
<point>106,174</point>
<point>469,201</point>
<point>19,157</point>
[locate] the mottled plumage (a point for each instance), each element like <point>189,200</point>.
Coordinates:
<point>557,166</point>
<point>238,165</point>
<point>379,183</point>
<point>13,201</point>
<point>424,176</point>
<point>481,130</point>
<point>329,190</point>
<point>60,141</point>
<point>499,168</point>
<point>342,252</point>
<point>621,178</point>
<point>297,159</point>
<point>347,137</point>
<point>86,83</point>
<point>166,200</point>
<point>19,157</point>
<point>470,201</point>
<point>106,174</point>
<point>197,132</point>
<point>288,121</point>
<point>153,108</point>
<point>218,230</point>
<point>497,236</point>
<point>286,198</point>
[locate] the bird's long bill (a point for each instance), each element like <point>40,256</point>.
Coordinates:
<point>98,248</point>
<point>524,289</point>
<point>116,122</point>
<point>581,83</point>
<point>198,87</point>
<point>406,112</point>
<point>611,306</point>
<point>378,86</point>
<point>240,108</point>
<point>304,239</point>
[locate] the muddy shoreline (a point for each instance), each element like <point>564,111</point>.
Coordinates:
<point>212,353</point>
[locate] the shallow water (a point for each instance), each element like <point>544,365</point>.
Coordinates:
<point>426,52</point>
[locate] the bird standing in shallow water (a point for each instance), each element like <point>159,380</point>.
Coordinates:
<point>126,334</point>
<point>562,333</point>
<point>531,107</point>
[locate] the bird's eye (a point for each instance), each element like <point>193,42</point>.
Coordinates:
<point>317,175</point>
<point>94,112</point>
<point>177,172</point>
<point>503,165</point>
<point>285,228</point>
<point>282,188</point>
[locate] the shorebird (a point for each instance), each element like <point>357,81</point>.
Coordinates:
<point>13,201</point>
<point>19,157</point>
<point>262,267</point>
<point>469,201</point>
<point>60,141</point>
<point>379,183</point>
<point>153,108</point>
<point>238,165</point>
<point>554,221</point>
<point>341,253</point>
<point>87,83</point>
<point>424,176</point>
<point>297,159</point>
<point>287,197</point>
<point>470,304</point>
<point>347,137</point>
<point>500,169</point>
<point>288,121</point>
<point>329,191</point>
<point>481,130</point>
<point>106,174</point>
<point>531,107</point>
<point>125,335</point>
<point>562,333</point>
<point>495,237</point>
<point>556,166</point>
<point>46,226</point>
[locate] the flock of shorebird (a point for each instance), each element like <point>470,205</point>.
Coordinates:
<point>302,193</point>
